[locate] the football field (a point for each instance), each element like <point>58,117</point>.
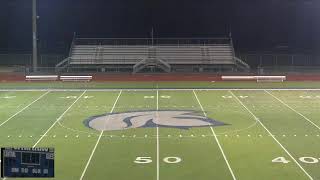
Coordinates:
<point>168,134</point>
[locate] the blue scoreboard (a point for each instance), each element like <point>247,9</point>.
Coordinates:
<point>27,162</point>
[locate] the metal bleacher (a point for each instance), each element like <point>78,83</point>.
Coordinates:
<point>165,54</point>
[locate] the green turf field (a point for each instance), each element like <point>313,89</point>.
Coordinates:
<point>268,134</point>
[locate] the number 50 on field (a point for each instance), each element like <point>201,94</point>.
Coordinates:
<point>147,160</point>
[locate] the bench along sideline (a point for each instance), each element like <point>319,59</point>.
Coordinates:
<point>56,78</point>
<point>76,78</point>
<point>255,78</point>
<point>42,78</point>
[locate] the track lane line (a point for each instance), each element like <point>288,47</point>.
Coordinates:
<point>14,115</point>
<point>96,145</point>
<point>216,138</point>
<point>275,139</point>
<point>297,112</point>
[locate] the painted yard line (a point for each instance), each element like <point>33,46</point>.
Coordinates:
<point>158,144</point>
<point>96,145</point>
<point>311,122</point>
<point>216,138</point>
<point>55,122</point>
<point>275,139</point>
<point>168,89</point>
<point>59,118</point>
<point>24,108</point>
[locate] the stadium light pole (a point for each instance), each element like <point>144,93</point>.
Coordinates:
<point>34,36</point>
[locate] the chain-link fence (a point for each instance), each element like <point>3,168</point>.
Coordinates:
<point>45,60</point>
<point>279,59</point>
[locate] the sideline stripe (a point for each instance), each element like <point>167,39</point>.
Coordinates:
<point>96,145</point>
<point>58,119</point>
<point>158,144</point>
<point>293,110</point>
<point>24,108</point>
<point>256,118</point>
<point>217,140</point>
<point>170,89</point>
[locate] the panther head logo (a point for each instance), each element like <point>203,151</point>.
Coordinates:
<point>183,119</point>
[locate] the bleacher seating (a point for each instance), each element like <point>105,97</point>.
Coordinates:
<point>106,54</point>
<point>163,55</point>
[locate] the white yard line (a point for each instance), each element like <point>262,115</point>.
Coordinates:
<point>96,145</point>
<point>158,145</point>
<point>24,108</point>
<point>59,118</point>
<point>275,139</point>
<point>216,138</point>
<point>166,89</point>
<point>303,116</point>
<point>56,122</point>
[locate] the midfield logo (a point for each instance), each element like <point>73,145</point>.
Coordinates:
<point>181,119</point>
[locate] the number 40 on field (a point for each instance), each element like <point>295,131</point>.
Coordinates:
<point>307,160</point>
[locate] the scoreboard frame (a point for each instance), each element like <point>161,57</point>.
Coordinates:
<point>19,162</point>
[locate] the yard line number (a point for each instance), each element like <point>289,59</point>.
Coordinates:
<point>307,160</point>
<point>309,97</point>
<point>147,160</point>
<point>230,97</point>
<point>152,97</point>
<point>75,97</point>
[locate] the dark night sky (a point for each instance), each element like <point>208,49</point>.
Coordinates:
<point>255,24</point>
